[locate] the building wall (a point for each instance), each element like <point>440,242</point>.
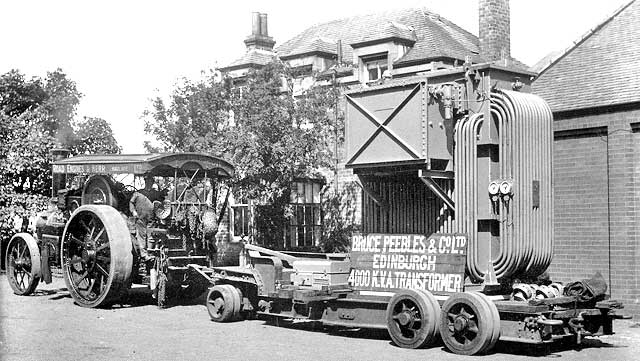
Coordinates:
<point>597,200</point>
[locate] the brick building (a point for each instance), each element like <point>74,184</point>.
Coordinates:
<point>593,89</point>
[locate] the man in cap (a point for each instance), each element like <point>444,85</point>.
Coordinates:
<point>141,208</point>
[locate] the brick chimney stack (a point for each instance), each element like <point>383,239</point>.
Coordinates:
<point>259,38</point>
<point>495,30</point>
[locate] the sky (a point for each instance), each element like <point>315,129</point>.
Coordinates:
<point>121,54</point>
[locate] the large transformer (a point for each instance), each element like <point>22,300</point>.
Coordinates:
<point>457,225</point>
<point>482,149</point>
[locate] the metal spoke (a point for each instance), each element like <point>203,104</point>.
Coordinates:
<point>99,235</point>
<point>23,251</point>
<point>103,246</point>
<point>22,279</point>
<point>76,240</point>
<point>102,270</point>
<point>84,225</point>
<point>105,259</point>
<point>91,285</point>
<point>77,281</point>
<point>473,328</point>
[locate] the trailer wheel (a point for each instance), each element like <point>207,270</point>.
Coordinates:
<point>96,255</point>
<point>23,264</point>
<point>467,324</point>
<point>412,319</point>
<point>436,310</point>
<point>223,303</point>
<point>495,315</point>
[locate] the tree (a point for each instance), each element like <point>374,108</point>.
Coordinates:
<point>36,115</point>
<point>93,136</point>
<point>269,135</point>
<point>195,119</point>
<point>18,95</point>
<point>62,100</point>
<point>24,154</point>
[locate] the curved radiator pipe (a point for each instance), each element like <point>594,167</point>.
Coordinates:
<point>524,145</point>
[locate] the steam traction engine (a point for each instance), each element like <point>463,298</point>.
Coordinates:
<point>455,168</point>
<point>88,230</point>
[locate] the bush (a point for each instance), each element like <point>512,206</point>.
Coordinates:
<point>16,204</point>
<point>339,210</point>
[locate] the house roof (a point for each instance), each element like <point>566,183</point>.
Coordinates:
<point>434,36</point>
<point>319,45</point>
<point>253,57</point>
<point>600,69</point>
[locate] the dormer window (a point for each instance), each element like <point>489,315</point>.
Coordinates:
<point>373,66</point>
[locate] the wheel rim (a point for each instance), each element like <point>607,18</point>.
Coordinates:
<point>463,324</point>
<point>411,319</point>
<point>223,303</point>
<point>216,304</point>
<point>21,269</point>
<point>87,257</point>
<point>96,254</point>
<point>467,325</point>
<point>408,318</point>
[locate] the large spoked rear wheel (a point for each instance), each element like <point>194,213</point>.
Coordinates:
<point>412,318</point>
<point>96,255</point>
<point>23,264</point>
<point>468,324</point>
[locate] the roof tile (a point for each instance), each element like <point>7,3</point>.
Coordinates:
<point>434,36</point>
<point>600,70</point>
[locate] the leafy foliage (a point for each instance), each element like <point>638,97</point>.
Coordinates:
<point>94,136</point>
<point>269,135</point>
<point>36,115</point>
<point>14,205</point>
<point>195,119</point>
<point>339,211</point>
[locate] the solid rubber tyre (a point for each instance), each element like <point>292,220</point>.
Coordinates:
<point>223,303</point>
<point>467,324</point>
<point>411,319</point>
<point>496,320</point>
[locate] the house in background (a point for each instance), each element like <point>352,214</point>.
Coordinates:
<point>359,50</point>
<point>593,89</point>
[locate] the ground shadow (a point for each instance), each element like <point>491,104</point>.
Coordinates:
<point>135,297</point>
<point>317,326</point>
<point>550,350</point>
<point>40,293</point>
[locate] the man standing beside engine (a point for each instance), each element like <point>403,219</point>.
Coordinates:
<point>141,208</point>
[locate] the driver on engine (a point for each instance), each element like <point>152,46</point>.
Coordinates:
<point>141,208</point>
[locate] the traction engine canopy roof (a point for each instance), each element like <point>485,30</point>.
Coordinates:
<point>157,164</point>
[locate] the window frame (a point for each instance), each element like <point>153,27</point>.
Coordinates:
<point>378,62</point>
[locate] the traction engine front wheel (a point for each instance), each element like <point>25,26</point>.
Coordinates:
<point>23,264</point>
<point>96,255</point>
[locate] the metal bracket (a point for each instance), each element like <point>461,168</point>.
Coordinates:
<point>373,195</point>
<point>437,190</point>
